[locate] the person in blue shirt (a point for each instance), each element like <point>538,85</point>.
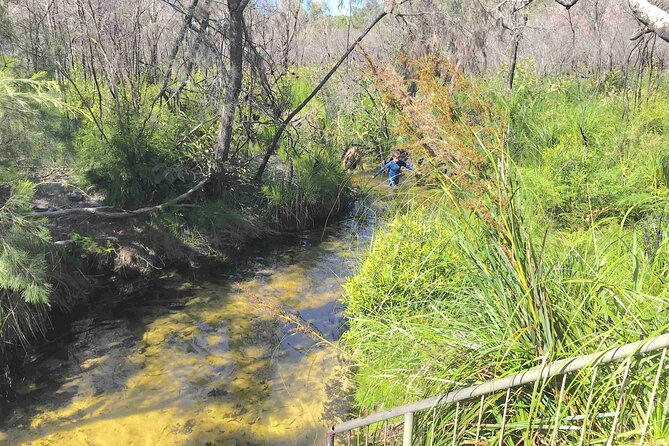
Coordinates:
<point>394,167</point>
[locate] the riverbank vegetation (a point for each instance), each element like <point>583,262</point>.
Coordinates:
<point>139,137</point>
<point>543,237</point>
<point>147,133</point>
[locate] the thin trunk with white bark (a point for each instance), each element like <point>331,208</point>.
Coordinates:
<point>236,36</point>
<point>655,18</point>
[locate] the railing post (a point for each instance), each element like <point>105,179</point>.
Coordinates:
<point>621,402</point>
<point>506,410</point>
<point>408,429</point>
<point>478,424</point>
<point>584,426</point>
<point>331,435</point>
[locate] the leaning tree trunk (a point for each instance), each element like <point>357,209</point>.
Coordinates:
<point>654,17</point>
<point>236,42</point>
<point>273,145</point>
<point>513,60</point>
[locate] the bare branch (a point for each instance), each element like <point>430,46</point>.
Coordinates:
<point>567,3</point>
<point>167,76</point>
<point>641,33</point>
<point>277,136</point>
<point>520,4</point>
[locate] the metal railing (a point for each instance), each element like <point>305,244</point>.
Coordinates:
<point>657,346</point>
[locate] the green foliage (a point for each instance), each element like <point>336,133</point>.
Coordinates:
<point>307,184</point>
<point>567,257</point>
<point>30,120</point>
<point>90,246</point>
<point>23,247</point>
<point>133,167</point>
<point>221,215</point>
<point>25,96</point>
<point>579,155</point>
<point>33,131</point>
<point>307,189</point>
<point>392,280</point>
<point>366,122</point>
<point>141,153</point>
<point>446,299</point>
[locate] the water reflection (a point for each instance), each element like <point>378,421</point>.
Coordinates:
<point>196,362</point>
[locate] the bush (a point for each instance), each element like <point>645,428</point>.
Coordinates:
<point>133,167</point>
<point>306,189</point>
<point>24,283</point>
<point>411,264</point>
<point>23,244</point>
<point>139,152</point>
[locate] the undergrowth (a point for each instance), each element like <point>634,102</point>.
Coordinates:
<point>549,241</point>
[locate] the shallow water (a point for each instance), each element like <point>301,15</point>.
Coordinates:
<point>201,359</point>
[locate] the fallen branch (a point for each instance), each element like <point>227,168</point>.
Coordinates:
<point>274,143</point>
<point>122,213</point>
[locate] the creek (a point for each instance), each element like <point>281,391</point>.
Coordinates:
<point>201,357</point>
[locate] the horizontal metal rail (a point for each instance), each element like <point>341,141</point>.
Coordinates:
<point>529,376</point>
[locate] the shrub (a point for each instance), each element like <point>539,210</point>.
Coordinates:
<point>24,283</point>
<point>22,247</point>
<point>307,189</point>
<point>133,167</point>
<point>136,150</point>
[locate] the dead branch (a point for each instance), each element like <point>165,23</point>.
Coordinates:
<point>121,213</point>
<point>284,124</point>
<point>567,3</point>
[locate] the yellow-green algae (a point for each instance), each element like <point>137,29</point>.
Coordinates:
<point>220,370</point>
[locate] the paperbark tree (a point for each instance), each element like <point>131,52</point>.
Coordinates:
<point>655,17</point>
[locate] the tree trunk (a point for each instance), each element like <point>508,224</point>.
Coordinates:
<point>234,80</point>
<point>515,44</point>
<point>513,59</point>
<point>654,17</point>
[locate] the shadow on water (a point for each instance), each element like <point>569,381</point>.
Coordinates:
<point>194,362</point>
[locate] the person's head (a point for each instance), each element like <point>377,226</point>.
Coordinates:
<point>395,155</point>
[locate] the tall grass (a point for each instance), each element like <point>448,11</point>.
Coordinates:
<point>446,299</point>
<point>307,190</point>
<point>492,280</point>
<point>578,149</point>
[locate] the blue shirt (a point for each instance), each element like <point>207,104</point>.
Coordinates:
<point>393,168</point>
